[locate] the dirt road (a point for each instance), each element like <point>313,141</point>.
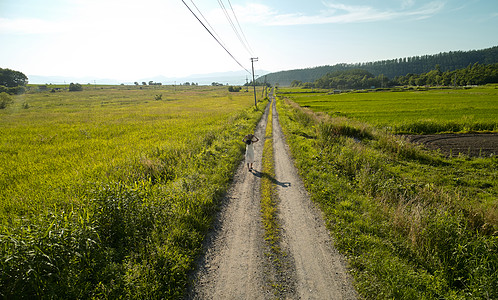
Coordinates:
<point>234,265</point>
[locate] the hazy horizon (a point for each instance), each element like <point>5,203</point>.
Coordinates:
<point>128,40</point>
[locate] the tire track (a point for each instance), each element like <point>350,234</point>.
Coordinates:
<point>320,270</point>
<point>233,264</point>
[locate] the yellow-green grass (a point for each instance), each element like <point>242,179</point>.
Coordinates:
<point>64,142</point>
<point>108,192</point>
<point>410,111</point>
<point>268,188</point>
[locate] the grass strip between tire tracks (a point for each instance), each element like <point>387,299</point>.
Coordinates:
<point>269,211</point>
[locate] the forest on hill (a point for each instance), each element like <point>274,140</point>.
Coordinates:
<point>448,61</point>
<point>476,74</point>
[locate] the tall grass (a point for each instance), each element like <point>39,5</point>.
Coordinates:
<point>108,193</point>
<point>413,224</point>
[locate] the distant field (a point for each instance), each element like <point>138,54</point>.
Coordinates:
<point>410,111</point>
<point>65,141</point>
<point>107,192</point>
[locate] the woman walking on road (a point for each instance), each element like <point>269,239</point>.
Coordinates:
<point>250,139</point>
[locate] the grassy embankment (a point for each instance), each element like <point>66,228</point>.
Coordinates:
<point>413,224</point>
<point>108,192</point>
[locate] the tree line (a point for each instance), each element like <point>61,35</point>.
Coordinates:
<point>392,68</point>
<point>347,79</point>
<point>476,74</point>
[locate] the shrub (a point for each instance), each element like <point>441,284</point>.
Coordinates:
<point>5,100</point>
<point>234,89</point>
<point>75,87</point>
<point>18,90</point>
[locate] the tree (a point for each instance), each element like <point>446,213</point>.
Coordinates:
<point>11,78</point>
<point>296,83</point>
<point>75,87</point>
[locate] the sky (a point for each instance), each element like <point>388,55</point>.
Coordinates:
<point>131,39</point>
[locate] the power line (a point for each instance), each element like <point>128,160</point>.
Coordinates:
<point>207,22</point>
<point>227,15</point>
<point>215,38</point>
<point>242,32</point>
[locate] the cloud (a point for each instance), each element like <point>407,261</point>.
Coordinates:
<point>31,26</point>
<point>339,13</point>
<point>407,3</point>
<point>137,17</point>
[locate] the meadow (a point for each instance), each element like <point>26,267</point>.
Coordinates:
<point>412,223</point>
<point>413,111</point>
<point>108,192</point>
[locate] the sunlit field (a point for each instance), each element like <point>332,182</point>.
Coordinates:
<point>109,191</point>
<point>412,223</point>
<point>412,110</point>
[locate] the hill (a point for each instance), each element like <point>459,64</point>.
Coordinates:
<point>447,61</point>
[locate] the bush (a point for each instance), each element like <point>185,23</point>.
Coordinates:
<point>75,87</point>
<point>234,89</point>
<point>17,90</point>
<point>4,100</point>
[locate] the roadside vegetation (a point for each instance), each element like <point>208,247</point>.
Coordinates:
<point>107,193</point>
<point>412,223</point>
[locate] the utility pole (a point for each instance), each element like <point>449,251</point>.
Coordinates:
<point>265,89</point>
<point>253,59</point>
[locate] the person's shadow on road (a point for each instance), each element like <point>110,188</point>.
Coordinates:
<point>272,179</point>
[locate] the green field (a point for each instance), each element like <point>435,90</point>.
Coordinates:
<point>412,223</point>
<point>109,191</point>
<point>410,111</point>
